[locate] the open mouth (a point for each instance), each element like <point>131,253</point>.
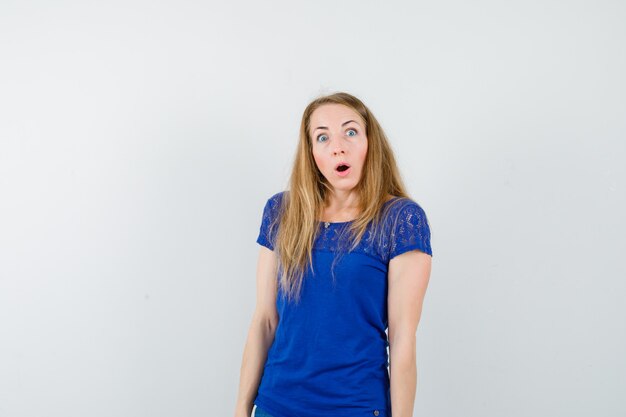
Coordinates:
<point>343,169</point>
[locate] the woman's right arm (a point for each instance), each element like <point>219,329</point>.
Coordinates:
<point>260,334</point>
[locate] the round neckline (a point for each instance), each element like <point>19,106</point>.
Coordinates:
<point>351,221</point>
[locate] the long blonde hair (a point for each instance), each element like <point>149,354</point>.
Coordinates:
<point>303,203</point>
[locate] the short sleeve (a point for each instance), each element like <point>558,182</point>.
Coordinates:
<point>267,230</point>
<point>410,231</point>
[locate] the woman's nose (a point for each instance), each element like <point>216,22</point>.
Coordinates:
<point>338,147</point>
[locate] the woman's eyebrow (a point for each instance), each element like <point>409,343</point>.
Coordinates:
<point>343,124</point>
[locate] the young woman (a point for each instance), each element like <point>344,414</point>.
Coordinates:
<point>345,256</point>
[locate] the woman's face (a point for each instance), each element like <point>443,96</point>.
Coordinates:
<point>338,136</point>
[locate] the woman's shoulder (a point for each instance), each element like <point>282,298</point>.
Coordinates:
<point>276,199</point>
<point>274,203</point>
<point>401,207</point>
<point>399,201</point>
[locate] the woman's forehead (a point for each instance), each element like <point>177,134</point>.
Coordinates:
<point>333,114</point>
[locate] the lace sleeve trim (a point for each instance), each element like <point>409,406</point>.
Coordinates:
<point>267,234</point>
<point>410,231</point>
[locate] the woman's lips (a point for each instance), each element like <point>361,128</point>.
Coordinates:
<point>343,173</point>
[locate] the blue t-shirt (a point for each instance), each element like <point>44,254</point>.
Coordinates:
<point>329,354</point>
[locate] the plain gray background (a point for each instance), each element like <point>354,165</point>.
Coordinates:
<point>139,141</point>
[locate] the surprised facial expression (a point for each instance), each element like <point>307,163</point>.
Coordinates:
<point>339,144</point>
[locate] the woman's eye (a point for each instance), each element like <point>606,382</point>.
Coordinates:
<point>349,130</point>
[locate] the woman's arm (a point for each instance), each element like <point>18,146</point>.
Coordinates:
<point>408,277</point>
<point>260,334</point>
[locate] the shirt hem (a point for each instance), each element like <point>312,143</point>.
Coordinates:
<point>268,405</point>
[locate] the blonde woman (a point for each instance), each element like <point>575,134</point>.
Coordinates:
<point>343,268</point>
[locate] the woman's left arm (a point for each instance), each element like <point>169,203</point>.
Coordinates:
<point>408,276</point>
